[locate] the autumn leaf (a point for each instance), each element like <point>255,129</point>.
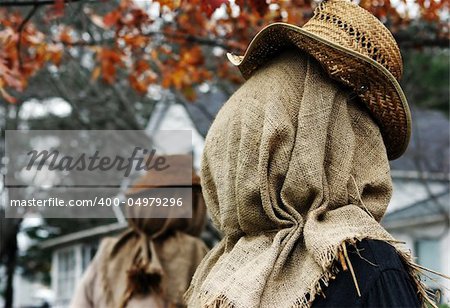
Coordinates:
<point>154,54</point>
<point>96,73</point>
<point>9,77</point>
<point>178,78</point>
<point>58,8</point>
<point>240,3</point>
<point>56,52</point>
<point>10,99</point>
<point>111,19</point>
<point>65,36</point>
<point>135,41</point>
<point>137,85</point>
<point>171,4</point>
<point>192,56</point>
<point>95,19</point>
<point>109,60</point>
<point>35,38</point>
<point>209,6</point>
<point>140,83</point>
<point>178,48</point>
<point>189,93</point>
<point>8,37</point>
<point>260,6</point>
<point>141,66</point>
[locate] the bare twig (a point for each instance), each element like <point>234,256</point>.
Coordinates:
<point>32,2</point>
<point>233,46</point>
<point>195,39</point>
<point>404,41</point>
<point>20,30</point>
<point>63,92</point>
<point>127,107</point>
<point>411,43</point>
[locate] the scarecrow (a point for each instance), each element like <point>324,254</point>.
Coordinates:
<point>151,264</point>
<point>295,171</point>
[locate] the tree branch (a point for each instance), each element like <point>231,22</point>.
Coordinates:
<point>128,109</point>
<point>195,39</point>
<point>63,92</point>
<point>33,2</point>
<point>20,30</point>
<point>232,45</point>
<point>403,41</point>
<point>408,42</point>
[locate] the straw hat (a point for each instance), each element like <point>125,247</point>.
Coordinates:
<point>354,48</point>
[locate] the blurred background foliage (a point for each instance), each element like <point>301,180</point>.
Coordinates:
<point>426,78</point>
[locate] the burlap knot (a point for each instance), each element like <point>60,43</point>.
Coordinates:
<point>146,274</point>
<point>153,257</point>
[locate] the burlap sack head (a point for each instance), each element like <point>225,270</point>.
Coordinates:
<point>291,169</point>
<point>173,183</point>
<point>161,227</point>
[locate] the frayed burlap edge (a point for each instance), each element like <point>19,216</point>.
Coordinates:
<point>331,269</point>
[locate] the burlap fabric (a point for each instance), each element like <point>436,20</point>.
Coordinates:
<point>150,265</point>
<point>292,168</point>
<point>160,256</point>
<point>136,271</point>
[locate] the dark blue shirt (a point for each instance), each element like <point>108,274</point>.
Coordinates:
<point>382,278</point>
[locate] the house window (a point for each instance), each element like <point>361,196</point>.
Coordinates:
<point>89,251</point>
<point>66,274</point>
<point>428,253</point>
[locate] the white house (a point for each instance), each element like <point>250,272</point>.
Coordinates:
<point>423,223</point>
<point>71,254</point>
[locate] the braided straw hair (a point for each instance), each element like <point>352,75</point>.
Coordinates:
<point>356,50</point>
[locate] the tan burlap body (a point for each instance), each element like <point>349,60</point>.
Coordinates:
<point>291,169</point>
<point>151,264</point>
<point>165,266</point>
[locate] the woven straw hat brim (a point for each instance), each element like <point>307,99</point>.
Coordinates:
<point>373,83</point>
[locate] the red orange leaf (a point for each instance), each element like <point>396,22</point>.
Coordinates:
<point>209,6</point>
<point>97,20</point>
<point>65,37</point>
<point>189,93</point>
<point>260,6</point>
<point>96,73</point>
<point>171,4</point>
<point>5,94</point>
<point>111,18</point>
<point>58,8</point>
